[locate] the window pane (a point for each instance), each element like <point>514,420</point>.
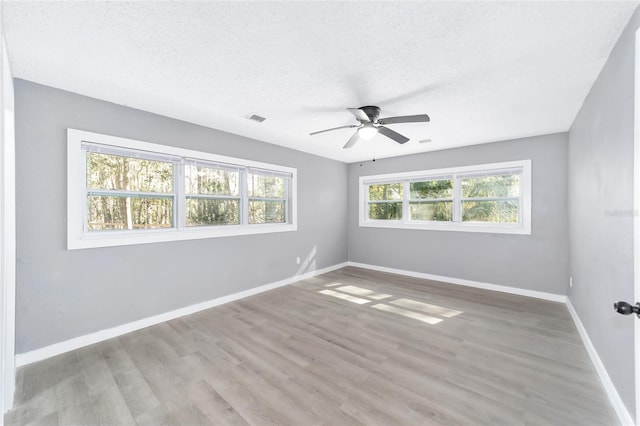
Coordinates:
<point>113,212</point>
<point>491,186</point>
<point>208,211</point>
<point>208,180</point>
<point>266,212</point>
<point>385,211</point>
<point>502,211</point>
<point>438,210</point>
<point>432,189</point>
<point>106,171</point>
<point>385,191</point>
<point>266,186</point>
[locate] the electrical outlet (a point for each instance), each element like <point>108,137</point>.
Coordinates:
<point>570,281</point>
<point>297,260</point>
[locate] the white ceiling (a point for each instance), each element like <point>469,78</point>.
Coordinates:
<point>483,71</point>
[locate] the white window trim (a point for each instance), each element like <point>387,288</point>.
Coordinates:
<point>78,239</point>
<point>523,227</point>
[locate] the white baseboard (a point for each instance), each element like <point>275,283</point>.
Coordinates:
<point>614,397</point>
<point>99,336</point>
<point>477,284</point>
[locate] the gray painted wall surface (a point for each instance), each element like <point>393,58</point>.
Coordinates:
<point>535,262</point>
<point>64,294</point>
<point>600,211</point>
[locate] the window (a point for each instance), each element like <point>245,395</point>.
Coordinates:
<point>267,197</point>
<point>385,201</point>
<point>431,200</point>
<point>212,195</point>
<point>127,193</point>
<point>484,198</point>
<point>122,191</point>
<point>491,199</point>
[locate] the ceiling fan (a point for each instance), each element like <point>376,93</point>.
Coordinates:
<point>370,125</point>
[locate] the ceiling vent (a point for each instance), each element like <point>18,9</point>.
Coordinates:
<point>256,118</point>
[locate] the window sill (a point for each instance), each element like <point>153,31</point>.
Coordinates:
<point>124,238</point>
<point>456,227</point>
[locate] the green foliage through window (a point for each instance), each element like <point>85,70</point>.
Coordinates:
<point>266,212</point>
<point>267,203</point>
<point>212,211</point>
<point>432,189</point>
<point>385,211</point>
<point>386,191</point>
<point>110,178</point>
<point>501,193</point>
<point>115,172</point>
<point>491,186</point>
<point>209,180</point>
<point>497,211</point>
<point>266,186</point>
<point>432,211</point>
<point>120,213</point>
<point>431,200</point>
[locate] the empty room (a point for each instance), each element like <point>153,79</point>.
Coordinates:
<point>320,213</point>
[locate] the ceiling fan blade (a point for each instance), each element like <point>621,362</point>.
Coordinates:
<point>360,114</point>
<point>422,118</point>
<point>392,134</point>
<point>334,128</point>
<point>352,141</point>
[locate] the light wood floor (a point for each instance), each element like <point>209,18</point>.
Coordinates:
<point>399,351</point>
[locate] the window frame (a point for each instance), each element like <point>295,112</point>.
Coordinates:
<point>422,178</point>
<point>186,196</point>
<point>116,151</point>
<point>79,238</point>
<point>523,227</point>
<point>250,198</point>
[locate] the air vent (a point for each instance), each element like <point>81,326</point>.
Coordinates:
<point>256,118</point>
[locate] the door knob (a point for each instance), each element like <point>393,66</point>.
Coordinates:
<point>624,308</point>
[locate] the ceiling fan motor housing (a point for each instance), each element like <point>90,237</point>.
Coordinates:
<point>373,112</point>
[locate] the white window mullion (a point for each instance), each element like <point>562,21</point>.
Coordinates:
<point>405,201</point>
<point>457,199</point>
<point>180,195</point>
<point>364,204</point>
<point>85,193</point>
<point>286,199</point>
<point>244,196</point>
<point>521,195</point>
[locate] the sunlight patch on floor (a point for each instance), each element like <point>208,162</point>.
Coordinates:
<point>407,313</point>
<point>343,296</point>
<point>359,291</point>
<point>408,308</point>
<point>426,307</point>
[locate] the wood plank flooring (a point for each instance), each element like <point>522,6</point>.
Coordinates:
<point>349,347</point>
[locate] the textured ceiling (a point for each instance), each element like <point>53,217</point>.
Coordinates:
<point>483,71</point>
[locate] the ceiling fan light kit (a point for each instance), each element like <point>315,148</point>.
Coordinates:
<point>367,131</point>
<point>370,125</point>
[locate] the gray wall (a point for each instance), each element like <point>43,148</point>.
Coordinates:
<point>64,294</point>
<point>535,262</point>
<point>600,212</point>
